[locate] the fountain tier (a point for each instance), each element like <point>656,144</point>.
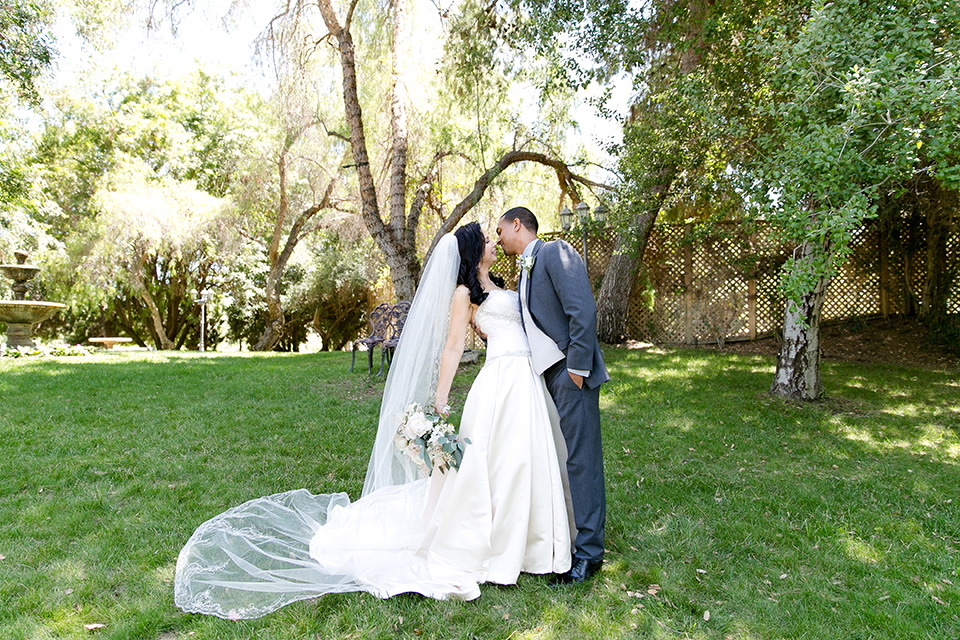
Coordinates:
<point>20,315</point>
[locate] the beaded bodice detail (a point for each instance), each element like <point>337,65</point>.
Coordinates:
<point>499,318</point>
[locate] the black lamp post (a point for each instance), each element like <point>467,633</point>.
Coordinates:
<point>600,214</point>
<point>583,215</point>
<point>206,296</point>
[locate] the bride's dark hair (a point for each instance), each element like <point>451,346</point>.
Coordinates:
<point>472,243</point>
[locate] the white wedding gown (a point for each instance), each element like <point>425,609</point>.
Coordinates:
<point>506,511</point>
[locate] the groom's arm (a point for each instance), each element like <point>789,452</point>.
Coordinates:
<point>569,279</point>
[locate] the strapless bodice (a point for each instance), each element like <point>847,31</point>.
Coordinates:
<point>499,318</point>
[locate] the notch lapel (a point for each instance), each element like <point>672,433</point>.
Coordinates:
<point>529,277</point>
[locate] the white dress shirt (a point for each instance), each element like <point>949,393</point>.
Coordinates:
<point>544,350</point>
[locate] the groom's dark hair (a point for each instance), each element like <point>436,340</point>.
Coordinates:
<point>524,215</point>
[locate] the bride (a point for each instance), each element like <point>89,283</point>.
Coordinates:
<point>506,510</point>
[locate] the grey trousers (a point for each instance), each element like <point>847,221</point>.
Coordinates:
<point>580,423</point>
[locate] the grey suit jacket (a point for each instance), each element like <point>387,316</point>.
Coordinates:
<point>561,303</point>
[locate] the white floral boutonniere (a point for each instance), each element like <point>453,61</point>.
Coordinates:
<point>525,263</point>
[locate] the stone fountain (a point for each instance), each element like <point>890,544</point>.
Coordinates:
<point>21,314</point>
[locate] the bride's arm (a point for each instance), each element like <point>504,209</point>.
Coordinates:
<point>459,319</point>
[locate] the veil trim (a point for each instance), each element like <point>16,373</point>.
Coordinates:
<point>415,369</point>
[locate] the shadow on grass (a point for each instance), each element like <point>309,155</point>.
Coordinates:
<point>844,507</point>
<point>835,519</point>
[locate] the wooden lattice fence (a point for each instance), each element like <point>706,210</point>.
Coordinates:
<point>724,285</point>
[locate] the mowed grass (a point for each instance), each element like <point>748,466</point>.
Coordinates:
<point>730,514</point>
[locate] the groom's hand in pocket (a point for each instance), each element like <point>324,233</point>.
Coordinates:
<point>577,379</point>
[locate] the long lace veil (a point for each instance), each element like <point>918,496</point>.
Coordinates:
<point>416,364</point>
<point>255,557</point>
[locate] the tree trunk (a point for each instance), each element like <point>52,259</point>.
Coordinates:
<point>404,270</point>
<point>276,321</point>
<point>125,323</point>
<point>161,335</point>
<point>613,301</point>
<point>275,318</point>
<point>399,100</point>
<point>940,208</point>
<point>798,375</point>
<point>397,239</point>
<point>273,331</point>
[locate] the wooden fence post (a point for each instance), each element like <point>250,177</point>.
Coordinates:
<point>752,295</point>
<point>884,275</point>
<point>688,286</point>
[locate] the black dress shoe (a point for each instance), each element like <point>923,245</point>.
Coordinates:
<point>581,571</point>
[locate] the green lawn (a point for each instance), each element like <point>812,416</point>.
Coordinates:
<point>730,514</point>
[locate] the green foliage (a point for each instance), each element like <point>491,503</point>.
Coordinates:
<point>326,288</point>
<point>833,520</point>
<point>26,46</point>
<point>246,312</point>
<point>154,238</point>
<point>188,129</point>
<point>338,288</point>
<point>22,205</point>
<point>693,83</point>
<point>592,40</point>
<point>494,93</point>
<point>133,171</point>
<point>861,101</point>
<point>41,350</point>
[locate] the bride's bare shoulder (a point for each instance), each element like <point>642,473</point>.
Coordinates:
<point>461,295</point>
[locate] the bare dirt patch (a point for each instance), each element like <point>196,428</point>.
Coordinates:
<point>899,341</point>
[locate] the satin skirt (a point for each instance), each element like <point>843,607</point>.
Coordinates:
<point>506,511</point>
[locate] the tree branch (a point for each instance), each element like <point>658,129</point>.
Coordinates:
<point>334,134</point>
<point>353,6</point>
<point>422,193</point>
<point>564,176</point>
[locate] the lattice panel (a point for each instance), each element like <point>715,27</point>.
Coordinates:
<point>893,287</point>
<point>665,273</point>
<point>719,310</point>
<point>953,265</point>
<point>770,306</point>
<point>718,295</point>
<point>698,291</point>
<point>855,289</point>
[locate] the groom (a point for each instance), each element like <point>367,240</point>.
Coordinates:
<point>560,318</point>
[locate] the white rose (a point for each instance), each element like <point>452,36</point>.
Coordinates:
<point>415,425</point>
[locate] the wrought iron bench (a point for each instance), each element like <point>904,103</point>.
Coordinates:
<point>398,317</point>
<point>108,343</point>
<point>379,321</point>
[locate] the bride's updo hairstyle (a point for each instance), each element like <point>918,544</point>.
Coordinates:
<point>472,243</point>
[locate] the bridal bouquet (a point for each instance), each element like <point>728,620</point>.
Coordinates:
<point>429,440</point>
